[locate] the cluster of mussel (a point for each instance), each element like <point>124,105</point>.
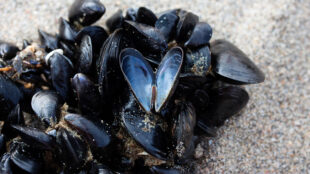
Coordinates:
<point>131,101</point>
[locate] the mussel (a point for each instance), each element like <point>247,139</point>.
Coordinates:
<point>10,96</point>
<point>46,105</point>
<point>7,50</point>
<point>86,12</point>
<point>232,65</point>
<point>151,90</point>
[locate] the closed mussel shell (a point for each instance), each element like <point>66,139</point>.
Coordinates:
<point>35,137</point>
<point>115,21</point>
<point>26,43</point>
<point>66,30</point>
<point>224,103</point>
<point>24,159</point>
<point>85,59</point>
<point>232,65</point>
<point>10,96</point>
<point>61,72</point>
<point>198,61</point>
<point>164,170</point>
<point>96,135</point>
<point>87,94</point>
<point>110,77</point>
<point>146,16</point>
<point>201,35</point>
<point>7,50</point>
<point>46,105</point>
<point>86,12</point>
<point>146,129</point>
<point>131,14</point>
<point>15,117</point>
<point>68,49</point>
<point>147,39</point>
<point>166,24</point>
<point>72,148</point>
<point>183,125</point>
<point>185,26</point>
<point>97,34</point>
<point>48,41</point>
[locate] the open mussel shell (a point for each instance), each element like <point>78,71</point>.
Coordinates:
<point>67,32</point>
<point>146,16</point>
<point>152,91</point>
<point>48,41</point>
<point>7,50</point>
<point>85,60</point>
<point>46,105</point>
<point>185,26</point>
<point>232,65</point>
<point>224,103</point>
<point>10,96</point>
<point>167,76</point>
<point>115,21</point>
<point>198,61</point>
<point>97,34</point>
<point>139,76</point>
<point>95,135</point>
<point>86,12</point>
<point>166,24</point>
<point>87,95</point>
<point>201,35</point>
<point>146,129</point>
<point>148,39</point>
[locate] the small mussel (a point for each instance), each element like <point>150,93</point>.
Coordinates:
<point>232,65</point>
<point>201,35</point>
<point>135,98</point>
<point>7,50</point>
<point>67,31</point>
<point>96,135</point>
<point>198,61</point>
<point>185,26</point>
<point>166,24</point>
<point>116,21</point>
<point>97,34</point>
<point>49,41</point>
<point>87,95</point>
<point>61,72</point>
<point>46,105</point>
<point>86,12</point>
<point>146,16</point>
<point>10,96</point>
<point>145,37</point>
